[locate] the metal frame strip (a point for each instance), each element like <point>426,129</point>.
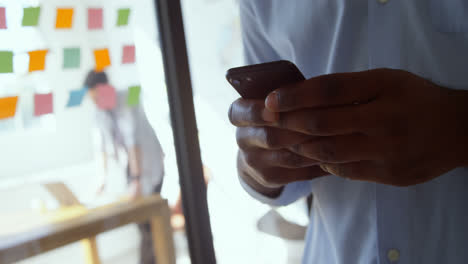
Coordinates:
<point>177,73</point>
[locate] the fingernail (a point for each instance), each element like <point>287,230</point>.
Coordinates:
<point>269,116</point>
<point>230,113</point>
<point>272,101</point>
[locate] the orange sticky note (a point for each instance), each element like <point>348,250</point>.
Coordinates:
<point>37,60</point>
<point>64,18</point>
<point>8,107</point>
<point>102,58</point>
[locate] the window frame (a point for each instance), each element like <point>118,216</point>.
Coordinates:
<point>185,132</point>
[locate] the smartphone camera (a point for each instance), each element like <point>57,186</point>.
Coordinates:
<point>237,82</point>
<point>234,82</point>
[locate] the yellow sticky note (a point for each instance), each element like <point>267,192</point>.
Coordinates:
<point>64,18</point>
<point>102,58</point>
<point>8,107</point>
<point>37,60</point>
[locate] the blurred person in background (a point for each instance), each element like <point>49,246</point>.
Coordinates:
<point>125,127</point>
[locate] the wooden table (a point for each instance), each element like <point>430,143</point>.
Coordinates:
<point>28,235</point>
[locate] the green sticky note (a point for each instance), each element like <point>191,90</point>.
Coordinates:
<point>31,16</point>
<point>6,61</point>
<point>71,58</point>
<point>122,17</point>
<point>133,95</point>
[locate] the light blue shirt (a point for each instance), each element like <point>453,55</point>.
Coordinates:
<point>355,221</point>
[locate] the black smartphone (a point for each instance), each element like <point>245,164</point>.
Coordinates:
<point>258,80</point>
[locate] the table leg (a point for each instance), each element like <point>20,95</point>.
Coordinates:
<point>163,240</point>
<point>90,251</point>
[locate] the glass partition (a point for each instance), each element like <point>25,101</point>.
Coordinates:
<point>85,133</point>
<point>244,230</point>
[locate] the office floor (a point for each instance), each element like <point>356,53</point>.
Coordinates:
<point>131,255</point>
<point>183,257</point>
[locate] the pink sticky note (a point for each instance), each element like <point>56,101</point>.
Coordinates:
<point>2,18</point>
<point>128,54</point>
<point>94,18</point>
<point>43,104</point>
<point>106,96</point>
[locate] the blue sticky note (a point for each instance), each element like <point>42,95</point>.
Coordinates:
<point>76,97</point>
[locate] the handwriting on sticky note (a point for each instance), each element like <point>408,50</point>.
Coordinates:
<point>94,18</point>
<point>43,104</point>
<point>3,24</point>
<point>31,16</point>
<point>128,54</point>
<point>37,60</point>
<point>122,16</point>
<point>64,18</point>
<point>76,97</point>
<point>8,107</point>
<point>6,61</point>
<point>133,97</point>
<point>106,96</point>
<point>102,59</point>
<point>71,58</point>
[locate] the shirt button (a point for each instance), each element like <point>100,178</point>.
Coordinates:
<point>382,1</point>
<point>393,255</point>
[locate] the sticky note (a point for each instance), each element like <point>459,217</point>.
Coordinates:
<point>64,18</point>
<point>71,58</point>
<point>31,16</point>
<point>6,61</point>
<point>122,16</point>
<point>2,18</point>
<point>43,104</point>
<point>106,96</point>
<point>128,54</point>
<point>8,107</point>
<point>133,95</point>
<point>37,60</point>
<point>94,18</point>
<point>76,97</point>
<point>102,59</point>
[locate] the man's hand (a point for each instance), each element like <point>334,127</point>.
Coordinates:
<point>101,188</point>
<point>135,189</point>
<point>264,161</point>
<point>386,126</point>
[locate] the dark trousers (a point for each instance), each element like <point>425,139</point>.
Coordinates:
<point>146,244</point>
<point>147,255</point>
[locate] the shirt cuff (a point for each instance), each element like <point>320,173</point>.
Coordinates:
<point>291,192</point>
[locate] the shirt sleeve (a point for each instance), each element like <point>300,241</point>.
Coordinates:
<point>128,126</point>
<point>257,48</point>
<point>291,193</point>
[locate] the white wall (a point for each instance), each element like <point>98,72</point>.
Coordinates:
<point>24,152</point>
